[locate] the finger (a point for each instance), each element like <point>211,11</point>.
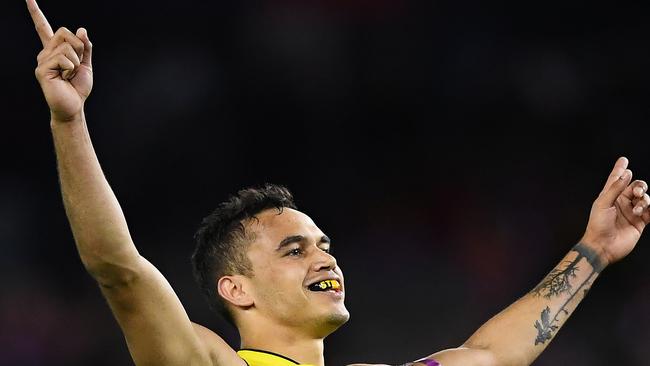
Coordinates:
<point>636,189</point>
<point>641,204</point>
<point>639,188</point>
<point>646,217</point>
<point>608,197</point>
<point>619,168</point>
<point>63,34</point>
<point>87,59</point>
<point>40,22</point>
<point>54,67</point>
<point>66,49</point>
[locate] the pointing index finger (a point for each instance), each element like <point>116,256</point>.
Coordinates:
<point>619,168</point>
<point>40,22</point>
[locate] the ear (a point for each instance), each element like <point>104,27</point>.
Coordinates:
<point>233,290</point>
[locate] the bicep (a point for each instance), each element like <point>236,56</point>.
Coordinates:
<point>155,325</point>
<point>463,356</point>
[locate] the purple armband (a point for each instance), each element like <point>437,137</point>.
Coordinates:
<point>428,362</point>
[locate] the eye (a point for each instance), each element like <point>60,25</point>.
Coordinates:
<point>326,250</point>
<point>295,252</point>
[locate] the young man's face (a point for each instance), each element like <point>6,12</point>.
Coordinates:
<point>288,254</point>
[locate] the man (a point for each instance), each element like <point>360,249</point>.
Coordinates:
<point>266,266</point>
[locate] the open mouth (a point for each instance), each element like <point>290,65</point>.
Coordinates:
<point>326,285</point>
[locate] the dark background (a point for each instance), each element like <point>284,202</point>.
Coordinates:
<point>451,149</point>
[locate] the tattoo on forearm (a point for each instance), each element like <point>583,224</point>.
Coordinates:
<point>558,282</point>
<point>592,257</point>
<point>546,328</point>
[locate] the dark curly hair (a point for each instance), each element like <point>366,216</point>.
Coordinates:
<point>222,240</point>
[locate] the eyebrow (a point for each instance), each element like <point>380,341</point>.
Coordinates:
<point>299,239</point>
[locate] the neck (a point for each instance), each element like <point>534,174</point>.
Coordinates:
<point>284,341</point>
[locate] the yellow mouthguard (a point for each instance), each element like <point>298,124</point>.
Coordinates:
<point>329,284</point>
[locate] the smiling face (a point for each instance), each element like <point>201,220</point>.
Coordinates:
<point>289,253</point>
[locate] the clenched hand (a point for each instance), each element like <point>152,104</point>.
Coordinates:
<point>64,68</point>
<point>619,214</point>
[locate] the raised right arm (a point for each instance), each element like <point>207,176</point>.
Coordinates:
<point>154,322</point>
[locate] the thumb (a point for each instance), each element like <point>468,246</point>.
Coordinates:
<point>87,57</point>
<point>607,199</point>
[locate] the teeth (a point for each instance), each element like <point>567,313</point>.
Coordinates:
<point>325,285</point>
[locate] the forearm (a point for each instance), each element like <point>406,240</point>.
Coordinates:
<point>155,325</point>
<point>518,334</point>
<point>96,219</point>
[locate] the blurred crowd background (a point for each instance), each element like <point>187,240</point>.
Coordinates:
<point>451,150</point>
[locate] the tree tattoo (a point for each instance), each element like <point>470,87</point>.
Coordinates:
<point>558,282</point>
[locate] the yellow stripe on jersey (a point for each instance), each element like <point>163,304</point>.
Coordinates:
<point>255,357</point>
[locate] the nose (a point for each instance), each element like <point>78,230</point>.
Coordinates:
<point>324,261</point>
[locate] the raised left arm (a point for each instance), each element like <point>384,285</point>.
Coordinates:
<point>518,334</point>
